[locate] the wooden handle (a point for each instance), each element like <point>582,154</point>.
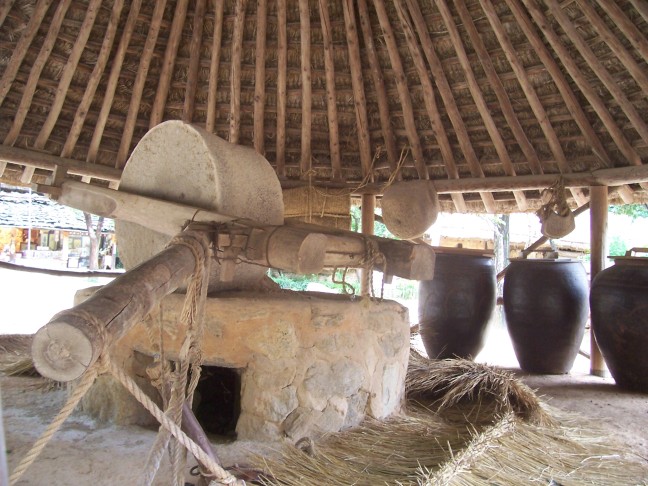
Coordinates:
<point>72,341</point>
<point>636,250</point>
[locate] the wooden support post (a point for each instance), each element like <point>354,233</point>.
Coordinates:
<point>368,210</point>
<point>74,339</point>
<point>598,231</point>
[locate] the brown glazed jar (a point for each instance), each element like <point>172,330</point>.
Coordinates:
<point>619,303</point>
<point>456,305</point>
<point>545,304</point>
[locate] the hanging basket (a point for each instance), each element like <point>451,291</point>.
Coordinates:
<point>556,219</point>
<point>556,226</point>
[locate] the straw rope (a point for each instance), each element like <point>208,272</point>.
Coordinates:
<point>80,390</point>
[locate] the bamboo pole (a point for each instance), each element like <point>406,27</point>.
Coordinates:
<point>357,82</point>
<point>138,85</point>
<point>194,60</point>
<point>19,52</point>
<point>111,86</point>
<point>331,100</point>
<point>66,76</point>
<point>95,78</point>
<point>601,72</point>
<point>403,89</point>
<point>259,76</point>
<point>282,68</point>
<point>378,87</point>
<point>170,53</point>
<point>598,233</point>
<point>480,102</point>
<point>214,62</point>
<point>368,219</point>
<point>305,59</point>
<point>235,72</point>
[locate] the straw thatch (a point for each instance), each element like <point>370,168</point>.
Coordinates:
<point>335,93</point>
<point>15,355</point>
<point>493,445</point>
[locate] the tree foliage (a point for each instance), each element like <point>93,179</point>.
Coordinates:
<point>632,210</point>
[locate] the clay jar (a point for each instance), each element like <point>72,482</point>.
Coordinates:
<point>455,306</point>
<point>545,304</point>
<point>619,303</point>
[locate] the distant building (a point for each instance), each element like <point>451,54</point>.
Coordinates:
<point>34,227</point>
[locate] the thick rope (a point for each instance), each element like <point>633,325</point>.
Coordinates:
<point>223,477</point>
<point>81,389</point>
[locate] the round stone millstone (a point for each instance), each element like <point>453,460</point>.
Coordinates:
<point>184,163</point>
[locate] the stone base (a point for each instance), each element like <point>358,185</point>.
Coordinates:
<point>310,363</point>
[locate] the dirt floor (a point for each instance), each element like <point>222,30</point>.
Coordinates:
<point>87,452</point>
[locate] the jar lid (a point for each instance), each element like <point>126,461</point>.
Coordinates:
<point>547,260</point>
<point>452,250</point>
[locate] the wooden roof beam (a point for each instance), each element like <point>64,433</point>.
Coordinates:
<point>496,83</point>
<point>529,91</point>
<point>214,62</point>
<point>111,86</point>
<point>403,89</point>
<point>235,76</point>
<point>306,121</point>
<point>615,45</point>
<point>478,96</point>
<point>138,86</point>
<point>379,88</point>
<point>625,25</point>
<point>428,96</point>
<point>66,75</point>
<point>359,99</point>
<point>170,53</point>
<point>19,52</point>
<point>259,76</point>
<point>95,78</point>
<point>282,69</point>
<point>4,10</point>
<point>32,82</point>
<point>595,65</point>
<point>194,61</point>
<point>331,101</point>
<point>588,91</point>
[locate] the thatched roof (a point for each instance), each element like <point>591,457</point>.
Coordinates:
<point>336,92</point>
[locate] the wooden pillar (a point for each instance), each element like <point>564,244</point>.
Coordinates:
<point>368,210</point>
<point>598,233</point>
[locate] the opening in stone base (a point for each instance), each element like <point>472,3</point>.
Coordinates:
<point>217,401</point>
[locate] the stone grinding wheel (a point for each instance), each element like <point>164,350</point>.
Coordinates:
<point>183,163</point>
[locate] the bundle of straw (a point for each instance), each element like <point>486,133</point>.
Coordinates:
<point>15,355</point>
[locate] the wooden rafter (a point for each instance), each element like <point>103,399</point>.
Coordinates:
<point>282,68</point>
<point>95,78</point>
<point>235,76</point>
<point>529,91</point>
<point>138,86</point>
<point>428,97</point>
<point>111,86</point>
<point>502,96</point>
<point>19,52</point>
<point>210,124</point>
<point>588,91</point>
<point>359,99</point>
<point>615,45</point>
<point>4,10</point>
<point>478,97</point>
<point>36,70</point>
<point>625,25</point>
<point>403,89</point>
<point>194,61</point>
<point>379,88</point>
<point>68,72</point>
<point>259,76</point>
<point>331,100</point>
<point>306,121</point>
<point>601,72</point>
<point>162,90</point>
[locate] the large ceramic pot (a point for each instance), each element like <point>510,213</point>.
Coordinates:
<point>455,306</point>
<point>545,304</point>
<point>619,303</point>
